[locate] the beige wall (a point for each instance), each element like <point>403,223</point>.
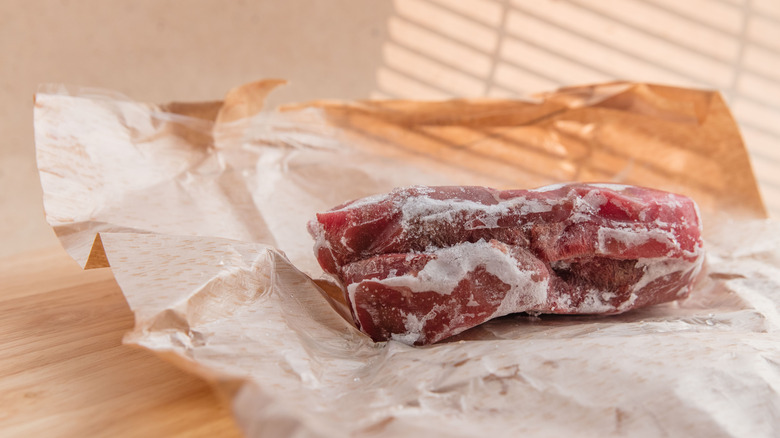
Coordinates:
<point>161,50</point>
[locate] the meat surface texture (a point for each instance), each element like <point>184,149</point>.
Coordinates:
<point>421,264</point>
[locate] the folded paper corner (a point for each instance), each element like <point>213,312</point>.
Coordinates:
<point>97,255</point>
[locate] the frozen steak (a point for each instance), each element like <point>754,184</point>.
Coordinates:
<point>421,264</point>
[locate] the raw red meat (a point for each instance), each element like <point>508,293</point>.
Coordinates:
<point>421,264</point>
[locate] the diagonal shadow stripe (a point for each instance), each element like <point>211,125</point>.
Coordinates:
<point>681,44</point>
<point>766,15</point>
<point>628,54</point>
<point>446,12</point>
<point>432,59</point>
<point>693,18</point>
<point>404,92</point>
<point>407,33</point>
<point>419,80</point>
<point>469,6</point>
<point>595,67</point>
<point>760,129</point>
<point>553,77</point>
<point>461,14</point>
<point>726,2</point>
<point>758,153</point>
<point>416,21</point>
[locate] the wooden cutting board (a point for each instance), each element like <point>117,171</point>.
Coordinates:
<point>65,372</point>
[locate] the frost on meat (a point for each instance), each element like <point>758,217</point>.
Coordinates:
<point>421,264</point>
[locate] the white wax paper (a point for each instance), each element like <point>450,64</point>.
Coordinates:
<point>201,209</point>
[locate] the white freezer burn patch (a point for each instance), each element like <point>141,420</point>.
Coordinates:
<point>423,208</point>
<point>454,263</point>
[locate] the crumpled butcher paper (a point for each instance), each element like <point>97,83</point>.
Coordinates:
<point>200,210</point>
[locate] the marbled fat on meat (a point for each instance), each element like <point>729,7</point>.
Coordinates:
<point>421,264</point>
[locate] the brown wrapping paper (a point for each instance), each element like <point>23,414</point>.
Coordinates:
<point>200,210</point>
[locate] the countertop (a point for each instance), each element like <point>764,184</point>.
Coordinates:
<point>65,372</point>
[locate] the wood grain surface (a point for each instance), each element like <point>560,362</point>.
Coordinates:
<point>63,368</point>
